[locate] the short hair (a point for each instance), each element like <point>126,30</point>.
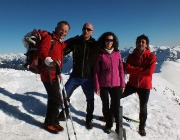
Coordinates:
<point>143,37</point>
<point>63,22</point>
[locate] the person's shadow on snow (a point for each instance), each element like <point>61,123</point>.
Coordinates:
<point>82,121</point>
<point>29,103</point>
<point>83,114</point>
<point>16,113</point>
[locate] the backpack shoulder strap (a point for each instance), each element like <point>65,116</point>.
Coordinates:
<point>52,46</point>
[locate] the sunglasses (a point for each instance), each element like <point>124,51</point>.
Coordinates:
<point>109,40</point>
<point>88,29</point>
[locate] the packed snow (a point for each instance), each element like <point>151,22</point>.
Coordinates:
<point>23,101</point>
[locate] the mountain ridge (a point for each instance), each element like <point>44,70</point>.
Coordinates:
<point>163,53</point>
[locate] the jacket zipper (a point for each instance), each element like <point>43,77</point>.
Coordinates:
<point>83,60</point>
<point>111,69</point>
<point>139,66</point>
<point>88,54</point>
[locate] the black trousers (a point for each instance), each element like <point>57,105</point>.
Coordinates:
<point>54,101</point>
<point>143,100</point>
<point>114,93</point>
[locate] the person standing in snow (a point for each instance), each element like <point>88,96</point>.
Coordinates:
<point>83,50</point>
<point>109,78</point>
<point>51,59</point>
<point>140,65</point>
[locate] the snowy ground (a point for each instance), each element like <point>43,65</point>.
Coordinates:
<point>23,106</point>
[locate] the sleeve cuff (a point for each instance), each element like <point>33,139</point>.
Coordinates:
<point>48,60</point>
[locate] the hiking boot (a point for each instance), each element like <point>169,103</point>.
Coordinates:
<point>89,125</point>
<point>51,128</point>
<point>117,129</point>
<point>89,118</point>
<point>142,131</point>
<point>142,124</point>
<point>61,116</point>
<point>107,130</point>
<point>59,127</point>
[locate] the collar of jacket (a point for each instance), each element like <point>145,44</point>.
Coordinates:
<point>54,36</point>
<point>89,40</point>
<point>104,51</point>
<point>109,51</point>
<point>144,52</point>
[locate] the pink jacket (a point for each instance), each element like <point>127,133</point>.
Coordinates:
<point>108,70</point>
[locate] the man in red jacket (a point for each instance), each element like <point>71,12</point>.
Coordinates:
<point>52,58</point>
<point>140,65</point>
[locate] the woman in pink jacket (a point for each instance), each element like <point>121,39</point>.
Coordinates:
<point>109,77</point>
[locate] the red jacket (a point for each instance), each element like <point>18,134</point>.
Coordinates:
<point>56,53</point>
<point>141,67</point>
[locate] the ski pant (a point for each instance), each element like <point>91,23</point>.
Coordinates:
<point>143,100</point>
<point>87,87</point>
<point>114,93</point>
<point>53,103</point>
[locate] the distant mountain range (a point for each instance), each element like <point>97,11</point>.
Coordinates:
<point>17,61</point>
<point>163,53</point>
<point>13,61</point>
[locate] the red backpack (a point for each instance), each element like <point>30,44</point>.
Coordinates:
<point>32,42</point>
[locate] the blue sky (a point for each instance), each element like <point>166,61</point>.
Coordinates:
<point>158,19</point>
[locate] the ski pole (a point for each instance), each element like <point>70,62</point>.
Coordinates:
<point>130,120</point>
<point>63,106</point>
<point>122,131</point>
<point>120,124</point>
<point>68,104</point>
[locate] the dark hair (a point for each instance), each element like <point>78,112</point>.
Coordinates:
<point>63,22</point>
<point>143,37</point>
<point>102,38</point>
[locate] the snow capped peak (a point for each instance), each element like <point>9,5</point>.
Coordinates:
<point>163,53</point>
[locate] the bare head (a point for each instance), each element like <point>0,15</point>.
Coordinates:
<point>87,30</point>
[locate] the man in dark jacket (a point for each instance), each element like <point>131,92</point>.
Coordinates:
<point>83,50</point>
<point>140,65</point>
